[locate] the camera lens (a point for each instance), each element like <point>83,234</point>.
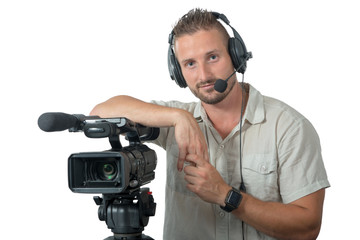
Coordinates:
<point>106,171</point>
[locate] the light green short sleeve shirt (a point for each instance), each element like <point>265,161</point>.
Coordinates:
<point>281,162</point>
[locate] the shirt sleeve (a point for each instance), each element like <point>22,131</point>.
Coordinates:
<point>301,168</point>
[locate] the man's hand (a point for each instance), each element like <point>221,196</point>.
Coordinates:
<point>205,181</point>
<point>189,138</point>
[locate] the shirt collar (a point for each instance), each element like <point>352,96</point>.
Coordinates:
<point>255,111</point>
<point>199,112</point>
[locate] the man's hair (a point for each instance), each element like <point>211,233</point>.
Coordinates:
<point>196,20</point>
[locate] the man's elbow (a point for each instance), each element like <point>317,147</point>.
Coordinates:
<point>311,233</point>
<point>104,109</point>
<point>314,232</point>
<point>96,111</point>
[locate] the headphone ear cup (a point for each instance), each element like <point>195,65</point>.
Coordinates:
<point>175,69</point>
<point>237,53</point>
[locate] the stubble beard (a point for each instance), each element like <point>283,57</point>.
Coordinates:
<point>211,96</point>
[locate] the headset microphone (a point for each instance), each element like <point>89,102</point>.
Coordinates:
<point>221,85</point>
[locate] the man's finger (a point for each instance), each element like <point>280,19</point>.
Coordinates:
<point>181,160</point>
<point>195,159</point>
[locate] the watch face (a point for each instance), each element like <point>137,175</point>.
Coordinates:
<point>234,199</point>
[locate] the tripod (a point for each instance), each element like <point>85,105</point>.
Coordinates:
<point>126,214</point>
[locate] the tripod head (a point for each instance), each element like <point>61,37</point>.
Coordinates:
<point>127,214</point>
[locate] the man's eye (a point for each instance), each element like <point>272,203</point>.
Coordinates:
<point>213,57</point>
<point>190,64</point>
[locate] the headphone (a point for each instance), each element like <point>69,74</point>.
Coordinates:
<point>236,46</point>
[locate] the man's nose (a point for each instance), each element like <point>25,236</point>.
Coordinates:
<point>204,71</point>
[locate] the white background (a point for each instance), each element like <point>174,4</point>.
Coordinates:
<point>68,56</point>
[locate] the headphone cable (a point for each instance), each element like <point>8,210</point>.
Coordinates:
<point>242,184</point>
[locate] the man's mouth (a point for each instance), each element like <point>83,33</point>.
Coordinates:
<point>207,85</point>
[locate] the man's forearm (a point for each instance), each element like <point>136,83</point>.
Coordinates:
<point>284,221</point>
<point>138,111</point>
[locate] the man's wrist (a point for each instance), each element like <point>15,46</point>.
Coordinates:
<point>232,200</point>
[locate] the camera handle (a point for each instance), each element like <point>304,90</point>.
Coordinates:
<point>126,214</point>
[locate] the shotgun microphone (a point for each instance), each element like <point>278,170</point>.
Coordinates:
<point>58,121</point>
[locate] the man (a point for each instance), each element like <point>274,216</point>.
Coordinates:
<point>263,179</point>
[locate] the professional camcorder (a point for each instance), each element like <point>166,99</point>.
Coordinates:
<point>117,174</point>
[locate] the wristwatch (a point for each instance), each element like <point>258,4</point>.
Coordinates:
<point>232,200</point>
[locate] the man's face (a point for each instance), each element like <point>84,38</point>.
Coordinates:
<point>203,58</point>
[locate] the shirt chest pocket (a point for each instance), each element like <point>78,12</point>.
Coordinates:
<point>261,177</point>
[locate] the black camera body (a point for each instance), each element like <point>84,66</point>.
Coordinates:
<point>119,169</point>
<point>111,172</point>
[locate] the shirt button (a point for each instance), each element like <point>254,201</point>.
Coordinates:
<point>221,146</point>
<point>221,214</point>
<point>263,168</point>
